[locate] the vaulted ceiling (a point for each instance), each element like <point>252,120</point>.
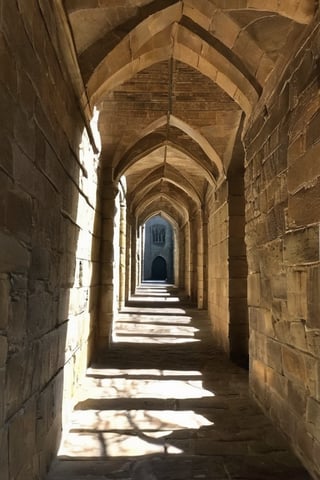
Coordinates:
<point>173,81</point>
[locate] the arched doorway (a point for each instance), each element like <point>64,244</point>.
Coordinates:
<point>158,250</point>
<point>159,269</point>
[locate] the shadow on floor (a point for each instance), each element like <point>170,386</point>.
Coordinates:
<point>164,404</point>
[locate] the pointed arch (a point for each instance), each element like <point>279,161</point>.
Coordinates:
<point>152,143</point>
<point>176,41</point>
<point>172,177</point>
<point>194,134</point>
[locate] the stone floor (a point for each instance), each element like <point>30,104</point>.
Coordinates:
<point>165,405</point>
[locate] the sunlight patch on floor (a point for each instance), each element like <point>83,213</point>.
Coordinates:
<point>156,339</point>
<point>136,388</point>
<point>95,445</point>
<point>167,332</point>
<point>156,298</point>
<point>155,319</point>
<point>141,372</point>
<point>140,420</point>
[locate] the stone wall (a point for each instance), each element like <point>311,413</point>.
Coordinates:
<point>282,235</point>
<point>48,279</point>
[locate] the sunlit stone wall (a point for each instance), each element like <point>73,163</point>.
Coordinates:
<point>282,235</point>
<point>49,237</point>
<point>218,276</point>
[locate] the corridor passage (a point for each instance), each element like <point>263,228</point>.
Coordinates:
<point>164,404</point>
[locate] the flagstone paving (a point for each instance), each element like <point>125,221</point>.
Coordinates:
<point>165,404</point>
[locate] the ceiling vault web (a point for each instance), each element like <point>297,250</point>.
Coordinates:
<point>172,81</point>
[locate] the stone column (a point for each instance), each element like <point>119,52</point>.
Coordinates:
<point>139,254</point>
<point>133,259</point>
<point>205,258</point>
<point>238,271</point>
<point>122,273</point>
<point>128,254</point>
<point>109,193</point>
<point>194,258</point>
<point>176,256</point>
<point>200,263</point>
<point>181,260</point>
<point>187,260</point>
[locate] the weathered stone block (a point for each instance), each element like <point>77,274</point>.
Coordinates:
<point>266,291</point>
<point>261,320</point>
<point>282,329</point>
<point>294,366</point>
<point>14,257</point>
<point>6,161</point>
<point>274,356</point>
<point>304,171</point>
<point>8,76</point>
<point>277,382</point>
<point>313,376</point>
<point>296,149</point>
<point>313,343</point>
<point>40,263</point>
<point>297,398</point>
<point>304,206</point>
<point>302,246</point>
<point>15,383</point>
<point>19,215</point>
<point>260,347</point>
<point>4,301</point>
<point>313,318</point>
<point>275,222</point>
<point>304,440</point>
<point>297,293</point>
<point>4,464</point>
<point>2,398</point>
<point>305,72</point>
<point>271,258</point>
<point>313,417</point>
<point>42,313</point>
<point>254,289</point>
<point>26,94</point>
<point>17,327</point>
<point>278,284</point>
<point>7,111</point>
<point>313,131</point>
<point>258,379</point>
<point>298,335</point>
<point>24,132</point>
<point>22,447</point>
<point>3,350</point>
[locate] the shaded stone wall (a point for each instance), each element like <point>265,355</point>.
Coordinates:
<point>218,276</point>
<point>48,282</point>
<point>282,235</point>
<point>238,270</point>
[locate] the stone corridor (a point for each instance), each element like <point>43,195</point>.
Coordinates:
<point>174,140</point>
<point>164,404</point>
